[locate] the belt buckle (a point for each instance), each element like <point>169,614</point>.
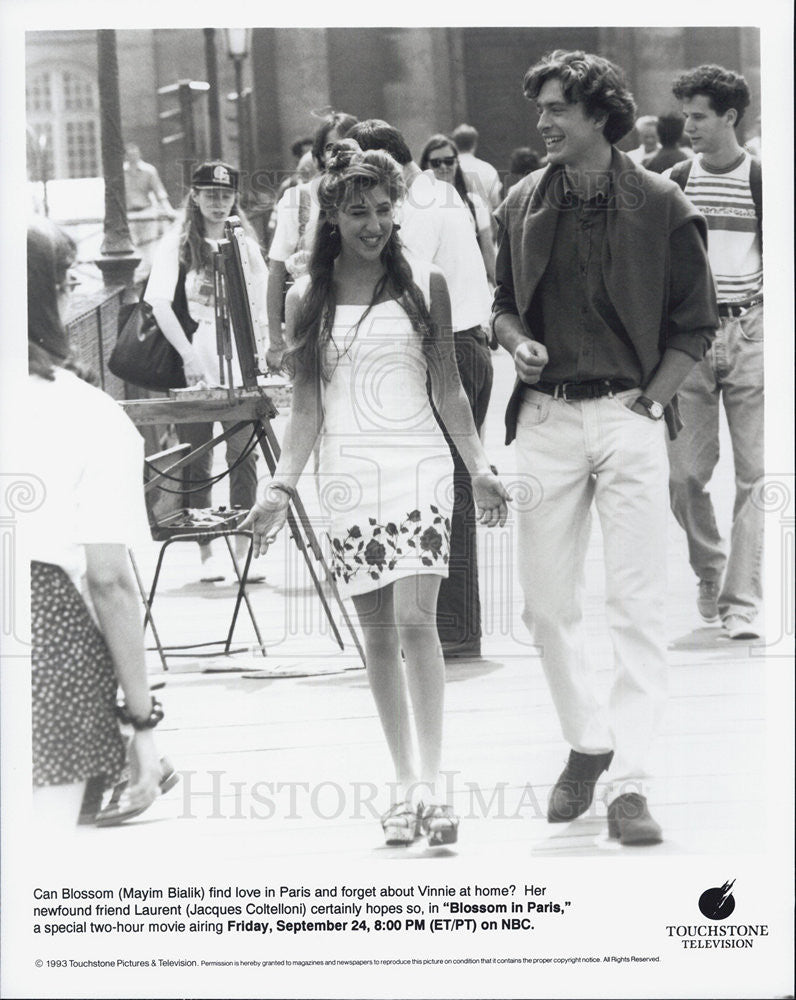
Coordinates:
<point>560,391</point>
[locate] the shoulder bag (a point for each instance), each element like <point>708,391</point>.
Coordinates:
<point>142,356</point>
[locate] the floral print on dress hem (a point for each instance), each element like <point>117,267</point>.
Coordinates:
<point>375,548</point>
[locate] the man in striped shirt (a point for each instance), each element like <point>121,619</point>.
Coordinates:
<point>723,183</point>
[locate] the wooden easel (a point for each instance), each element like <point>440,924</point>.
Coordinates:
<point>248,407</point>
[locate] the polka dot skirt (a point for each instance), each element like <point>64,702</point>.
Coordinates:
<point>75,731</point>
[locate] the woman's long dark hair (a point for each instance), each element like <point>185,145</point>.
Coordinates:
<point>437,142</point>
<point>51,252</point>
<point>348,170</point>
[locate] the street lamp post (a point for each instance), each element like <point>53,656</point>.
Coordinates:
<point>119,259</point>
<point>238,45</point>
<point>213,109</point>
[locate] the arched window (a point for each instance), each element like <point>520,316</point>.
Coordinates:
<point>63,123</point>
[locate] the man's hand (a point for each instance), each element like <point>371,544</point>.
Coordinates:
<point>530,357</point>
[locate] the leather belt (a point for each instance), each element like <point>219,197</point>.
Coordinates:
<point>738,308</point>
<point>572,391</point>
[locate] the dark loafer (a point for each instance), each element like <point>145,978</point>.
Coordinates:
<point>572,794</point>
<point>629,821</point>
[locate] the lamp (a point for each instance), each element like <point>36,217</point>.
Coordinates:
<point>238,42</point>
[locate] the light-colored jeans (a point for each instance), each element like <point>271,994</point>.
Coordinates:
<point>731,371</point>
<point>597,452</point>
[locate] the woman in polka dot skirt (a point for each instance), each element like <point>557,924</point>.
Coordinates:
<point>88,458</point>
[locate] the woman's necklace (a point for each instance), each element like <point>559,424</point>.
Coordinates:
<point>375,297</point>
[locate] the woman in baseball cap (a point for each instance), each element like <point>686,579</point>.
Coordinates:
<point>186,253</point>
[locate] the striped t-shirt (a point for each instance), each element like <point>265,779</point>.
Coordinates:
<point>725,199</point>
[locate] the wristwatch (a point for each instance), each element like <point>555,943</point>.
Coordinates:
<point>654,410</point>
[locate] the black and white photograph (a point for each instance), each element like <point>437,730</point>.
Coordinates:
<point>397,502</point>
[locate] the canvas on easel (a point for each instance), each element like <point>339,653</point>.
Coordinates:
<point>236,299</point>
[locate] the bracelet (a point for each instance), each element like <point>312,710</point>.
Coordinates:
<point>155,716</point>
<point>284,488</point>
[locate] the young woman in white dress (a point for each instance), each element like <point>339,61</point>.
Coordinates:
<point>370,332</point>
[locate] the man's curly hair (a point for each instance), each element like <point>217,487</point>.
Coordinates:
<point>723,88</point>
<point>591,80</point>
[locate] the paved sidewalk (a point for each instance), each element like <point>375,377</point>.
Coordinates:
<point>282,756</point>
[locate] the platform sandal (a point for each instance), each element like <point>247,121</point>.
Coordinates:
<point>401,824</point>
<point>440,825</point>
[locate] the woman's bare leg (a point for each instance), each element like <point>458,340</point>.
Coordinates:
<point>415,600</point>
<point>387,680</point>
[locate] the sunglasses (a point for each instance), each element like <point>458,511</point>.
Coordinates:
<point>441,161</point>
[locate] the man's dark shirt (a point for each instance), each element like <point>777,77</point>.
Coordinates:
<point>572,302</point>
<point>552,316</point>
<point>666,157</point>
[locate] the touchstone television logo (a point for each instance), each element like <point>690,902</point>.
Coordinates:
<point>717,903</point>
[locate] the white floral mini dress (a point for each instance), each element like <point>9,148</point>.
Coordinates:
<point>385,470</point>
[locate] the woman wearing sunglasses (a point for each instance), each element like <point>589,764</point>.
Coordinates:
<point>441,157</point>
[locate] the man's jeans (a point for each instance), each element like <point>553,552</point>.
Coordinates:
<point>582,453</point>
<point>732,371</point>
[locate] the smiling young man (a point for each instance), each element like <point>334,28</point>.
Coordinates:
<point>605,300</point>
<point>724,184</point>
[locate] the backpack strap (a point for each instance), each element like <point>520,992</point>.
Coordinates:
<point>680,173</point>
<point>756,185</point>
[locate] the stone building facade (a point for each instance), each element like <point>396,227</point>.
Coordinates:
<point>423,80</point>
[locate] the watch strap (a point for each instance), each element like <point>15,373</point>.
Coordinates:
<point>650,405</point>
